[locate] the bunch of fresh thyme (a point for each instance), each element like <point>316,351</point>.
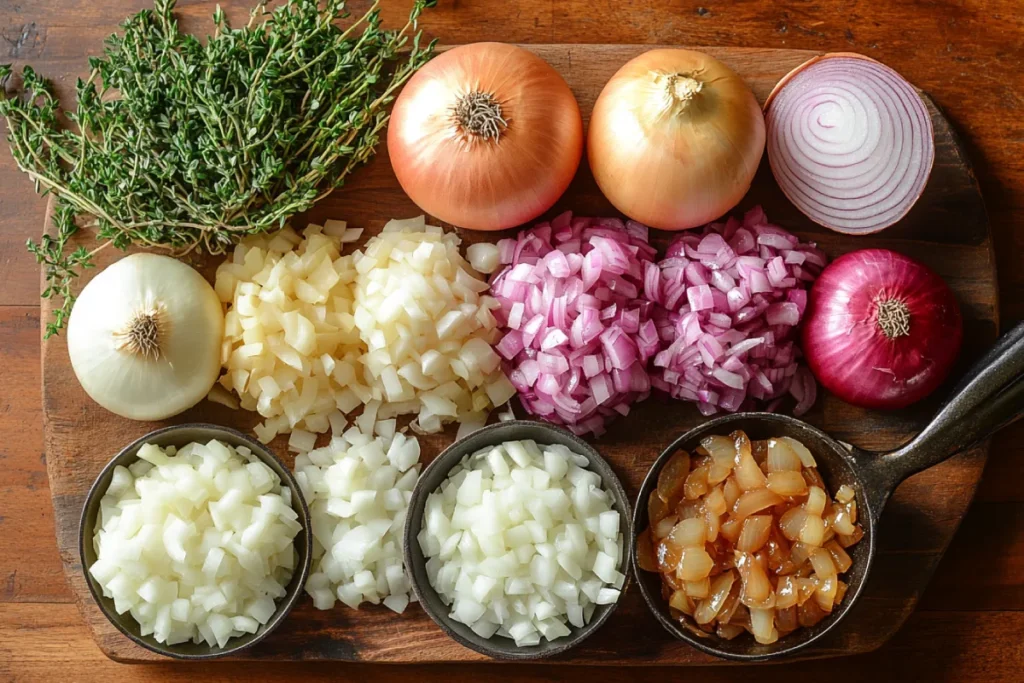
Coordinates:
<point>176,143</point>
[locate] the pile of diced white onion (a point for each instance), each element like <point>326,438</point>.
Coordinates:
<point>522,541</point>
<point>358,490</point>
<point>428,329</point>
<point>196,543</point>
<point>400,328</point>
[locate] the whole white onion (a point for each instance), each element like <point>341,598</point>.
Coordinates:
<point>144,337</point>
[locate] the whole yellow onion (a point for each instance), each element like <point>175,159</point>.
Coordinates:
<point>675,139</point>
<point>486,136</point>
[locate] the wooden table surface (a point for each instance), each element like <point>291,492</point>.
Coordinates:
<point>968,54</point>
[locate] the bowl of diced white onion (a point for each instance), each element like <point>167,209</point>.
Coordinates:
<point>232,553</point>
<point>514,540</point>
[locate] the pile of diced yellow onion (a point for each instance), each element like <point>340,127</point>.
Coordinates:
<point>522,541</point>
<point>427,327</point>
<point>196,543</point>
<point>399,328</point>
<point>291,348</point>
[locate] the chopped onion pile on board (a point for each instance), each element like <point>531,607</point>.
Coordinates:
<point>428,328</point>
<point>402,328</point>
<point>730,300</point>
<point>291,348</point>
<point>522,541</point>
<point>196,543</point>
<point>578,332</point>
<point>358,490</point>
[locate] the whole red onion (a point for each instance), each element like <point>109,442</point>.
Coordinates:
<point>881,330</point>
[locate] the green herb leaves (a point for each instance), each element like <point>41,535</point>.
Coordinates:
<point>180,144</point>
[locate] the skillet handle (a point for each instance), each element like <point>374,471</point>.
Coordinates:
<point>989,397</point>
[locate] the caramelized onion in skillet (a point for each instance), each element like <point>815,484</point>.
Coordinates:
<point>747,538</point>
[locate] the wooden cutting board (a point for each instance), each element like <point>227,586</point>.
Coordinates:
<point>948,230</point>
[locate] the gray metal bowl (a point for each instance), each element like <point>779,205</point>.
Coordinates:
<point>499,647</point>
<point>182,435</point>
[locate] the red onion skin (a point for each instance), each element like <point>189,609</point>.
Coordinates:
<point>846,348</point>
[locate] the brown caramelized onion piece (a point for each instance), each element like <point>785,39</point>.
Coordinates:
<point>668,555</point>
<point>657,509</point>
<point>672,476</point>
<point>747,538</point>
<point>645,552</point>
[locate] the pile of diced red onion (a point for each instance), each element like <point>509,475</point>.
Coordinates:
<point>592,322</point>
<point>729,301</point>
<point>578,330</point>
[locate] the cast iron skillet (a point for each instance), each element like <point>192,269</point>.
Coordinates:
<point>988,398</point>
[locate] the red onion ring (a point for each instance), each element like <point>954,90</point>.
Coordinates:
<point>850,142</point>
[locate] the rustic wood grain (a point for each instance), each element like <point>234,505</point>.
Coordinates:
<point>984,550</point>
<point>29,563</point>
<point>961,647</point>
<point>948,229</point>
<point>968,54</point>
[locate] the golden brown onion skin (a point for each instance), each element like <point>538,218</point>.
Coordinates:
<point>667,161</point>
<point>476,182</point>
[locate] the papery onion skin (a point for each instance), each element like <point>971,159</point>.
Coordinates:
<point>861,189</point>
<point>846,347</point>
<point>674,164</point>
<point>485,183</point>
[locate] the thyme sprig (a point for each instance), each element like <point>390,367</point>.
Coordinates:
<point>183,144</point>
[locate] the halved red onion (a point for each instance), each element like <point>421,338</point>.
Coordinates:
<point>578,334</point>
<point>731,345</point>
<point>850,142</point>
